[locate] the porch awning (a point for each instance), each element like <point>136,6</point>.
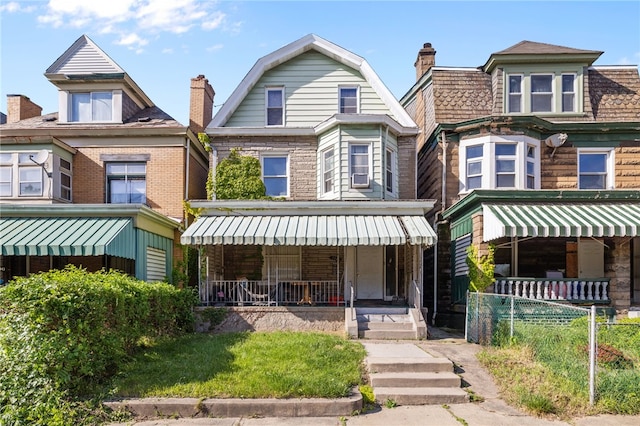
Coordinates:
<point>561,220</point>
<point>67,236</point>
<point>312,230</point>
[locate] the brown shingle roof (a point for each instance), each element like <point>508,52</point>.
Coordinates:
<point>461,95</point>
<point>526,47</point>
<point>615,93</point>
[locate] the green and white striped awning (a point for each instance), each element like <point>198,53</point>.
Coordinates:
<point>67,236</point>
<point>561,220</point>
<point>311,230</point>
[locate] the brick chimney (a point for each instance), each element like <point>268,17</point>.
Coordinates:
<point>426,60</point>
<point>19,107</point>
<point>201,104</point>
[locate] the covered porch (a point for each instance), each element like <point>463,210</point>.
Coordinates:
<point>316,253</point>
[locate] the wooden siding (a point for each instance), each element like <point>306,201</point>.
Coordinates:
<point>325,141</point>
<point>362,135</point>
<point>311,82</point>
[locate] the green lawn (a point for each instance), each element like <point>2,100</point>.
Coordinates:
<point>245,365</point>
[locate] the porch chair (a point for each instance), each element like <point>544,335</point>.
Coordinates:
<point>258,299</point>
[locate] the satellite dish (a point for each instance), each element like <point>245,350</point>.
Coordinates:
<point>556,140</point>
<point>41,157</point>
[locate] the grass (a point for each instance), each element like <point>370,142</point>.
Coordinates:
<point>245,365</point>
<point>544,370</point>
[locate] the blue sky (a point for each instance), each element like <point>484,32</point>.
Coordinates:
<point>162,44</point>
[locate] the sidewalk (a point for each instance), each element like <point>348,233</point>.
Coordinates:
<point>493,411</point>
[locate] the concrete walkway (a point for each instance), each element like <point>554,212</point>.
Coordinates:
<point>493,411</point>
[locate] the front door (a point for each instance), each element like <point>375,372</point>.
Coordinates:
<point>369,272</point>
<point>390,272</point>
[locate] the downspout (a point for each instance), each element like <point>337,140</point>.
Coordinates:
<point>384,163</point>
<point>443,206</point>
<point>186,180</point>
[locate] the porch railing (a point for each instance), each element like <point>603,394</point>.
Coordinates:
<point>570,289</point>
<point>265,293</point>
<point>417,295</point>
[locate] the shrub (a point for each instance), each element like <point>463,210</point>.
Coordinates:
<point>64,333</point>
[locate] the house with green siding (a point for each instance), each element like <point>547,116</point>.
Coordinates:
<point>337,155</point>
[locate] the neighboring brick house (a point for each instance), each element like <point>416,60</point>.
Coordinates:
<point>536,152</point>
<point>338,154</point>
<point>100,183</point>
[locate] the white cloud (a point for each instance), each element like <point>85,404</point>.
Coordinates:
<point>132,41</point>
<point>214,47</point>
<point>15,7</point>
<point>167,51</point>
<point>164,15</point>
<point>214,21</point>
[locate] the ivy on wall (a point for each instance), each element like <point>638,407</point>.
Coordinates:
<point>238,177</point>
<point>481,268</point>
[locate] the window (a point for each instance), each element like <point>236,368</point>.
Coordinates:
<point>505,156</point>
<point>499,162</point>
<point>348,100</point>
<point>126,183</point>
<point>275,106</point>
<point>6,174</point>
<point>94,106</point>
<point>595,169</point>
<point>542,93</point>
<point>568,92</point>
<point>515,93</point>
<point>390,167</point>
<point>282,263</point>
<point>328,167</point>
<point>275,175</point>
<point>65,179</point>
<point>29,176</point>
<point>359,166</point>
<point>474,166</point>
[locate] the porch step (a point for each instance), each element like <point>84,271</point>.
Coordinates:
<point>420,396</point>
<point>409,365</point>
<point>386,310</point>
<point>385,323</point>
<point>445,379</point>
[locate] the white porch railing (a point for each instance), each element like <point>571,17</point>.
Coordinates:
<point>569,289</point>
<point>247,292</point>
<point>416,294</point>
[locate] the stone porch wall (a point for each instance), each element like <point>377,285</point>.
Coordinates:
<point>275,318</point>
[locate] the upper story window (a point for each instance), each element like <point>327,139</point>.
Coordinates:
<point>390,171</point>
<point>497,162</point>
<point>348,100</point>
<point>91,106</point>
<point>126,183</point>
<point>542,93</point>
<point>328,170</point>
<point>359,165</point>
<point>29,176</point>
<point>275,106</point>
<point>595,169</point>
<point>65,179</point>
<point>6,174</point>
<point>568,92</point>
<point>275,175</point>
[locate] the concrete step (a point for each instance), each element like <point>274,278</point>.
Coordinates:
<point>374,325</point>
<point>384,318</point>
<point>420,396</point>
<point>415,380</point>
<point>382,311</point>
<point>408,334</point>
<point>408,365</point>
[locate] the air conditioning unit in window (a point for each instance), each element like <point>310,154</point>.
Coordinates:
<point>360,180</point>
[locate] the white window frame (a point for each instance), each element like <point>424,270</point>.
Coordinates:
<point>571,93</point>
<point>92,100</point>
<point>391,171</point>
<point>64,171</point>
<point>6,164</point>
<point>341,97</point>
<point>351,165</point>
<point>550,94</point>
<point>328,174</point>
<point>286,176</point>
<point>506,157</point>
<point>488,161</point>
<point>609,166</point>
<point>268,107</point>
<point>511,96</point>
<point>473,160</point>
<point>534,161</point>
<point>126,177</point>
<point>29,165</point>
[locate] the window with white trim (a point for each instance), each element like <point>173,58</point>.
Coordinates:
<point>541,93</point>
<point>390,170</point>
<point>514,101</point>
<point>595,169</point>
<point>29,176</point>
<point>275,106</point>
<point>328,170</point>
<point>6,174</point>
<point>359,165</point>
<point>348,100</point>
<point>65,179</point>
<point>126,183</point>
<point>474,158</point>
<point>91,106</point>
<point>568,92</point>
<point>275,175</point>
<point>496,162</point>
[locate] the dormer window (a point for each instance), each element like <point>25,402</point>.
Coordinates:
<point>568,92</point>
<point>91,106</point>
<point>542,92</point>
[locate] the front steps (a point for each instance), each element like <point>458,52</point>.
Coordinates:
<point>406,375</point>
<point>395,323</point>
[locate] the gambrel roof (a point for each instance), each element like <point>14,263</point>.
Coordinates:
<point>292,50</point>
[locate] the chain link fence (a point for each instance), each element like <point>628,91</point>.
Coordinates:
<point>598,355</point>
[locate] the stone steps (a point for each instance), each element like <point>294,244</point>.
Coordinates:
<point>421,395</point>
<point>415,380</point>
<point>385,323</point>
